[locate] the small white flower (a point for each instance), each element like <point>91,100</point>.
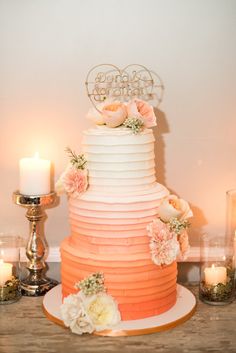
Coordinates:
<point>102,310</point>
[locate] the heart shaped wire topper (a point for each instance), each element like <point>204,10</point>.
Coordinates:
<point>134,81</point>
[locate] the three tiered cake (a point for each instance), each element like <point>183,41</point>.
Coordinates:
<point>126,230</point>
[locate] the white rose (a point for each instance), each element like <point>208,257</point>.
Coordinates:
<point>70,308</point>
<point>173,207</point>
<point>82,324</point>
<point>102,310</point>
<point>74,315</point>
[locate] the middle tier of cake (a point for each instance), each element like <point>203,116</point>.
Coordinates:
<point>108,234</point>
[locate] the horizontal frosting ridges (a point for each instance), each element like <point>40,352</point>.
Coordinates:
<point>139,286</point>
<point>109,224</point>
<point>119,160</point>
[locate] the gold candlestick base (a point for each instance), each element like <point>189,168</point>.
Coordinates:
<point>36,283</point>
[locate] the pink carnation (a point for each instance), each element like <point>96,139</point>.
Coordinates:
<point>75,181</point>
<point>140,109</point>
<point>163,244</point>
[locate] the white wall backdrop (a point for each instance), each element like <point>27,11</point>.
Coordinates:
<point>46,50</point>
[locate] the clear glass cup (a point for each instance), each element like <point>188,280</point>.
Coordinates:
<point>10,290</point>
<point>217,271</point>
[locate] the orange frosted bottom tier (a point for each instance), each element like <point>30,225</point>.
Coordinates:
<point>141,288</point>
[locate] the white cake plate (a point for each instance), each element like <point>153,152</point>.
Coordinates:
<point>179,313</point>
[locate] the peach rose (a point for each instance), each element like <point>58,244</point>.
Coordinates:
<point>114,114</point>
<point>173,207</point>
<point>140,109</point>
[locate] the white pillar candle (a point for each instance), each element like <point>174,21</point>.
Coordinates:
<point>215,275</point>
<point>35,176</point>
<point>5,272</point>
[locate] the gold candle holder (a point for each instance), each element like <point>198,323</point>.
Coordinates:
<point>36,283</point>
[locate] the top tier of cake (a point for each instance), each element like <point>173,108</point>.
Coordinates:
<point>119,161</point>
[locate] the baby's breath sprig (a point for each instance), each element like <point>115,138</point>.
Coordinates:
<point>177,225</point>
<point>92,284</point>
<point>135,124</point>
<point>77,160</point>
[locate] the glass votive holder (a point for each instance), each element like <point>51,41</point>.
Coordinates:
<point>216,271</point>
<point>10,290</point>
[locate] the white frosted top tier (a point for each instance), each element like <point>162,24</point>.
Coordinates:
<point>119,160</point>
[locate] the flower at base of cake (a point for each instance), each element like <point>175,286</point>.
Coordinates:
<point>74,180</point>
<point>135,114</point>
<point>91,308</point>
<point>168,233</point>
<point>74,315</point>
<point>103,311</point>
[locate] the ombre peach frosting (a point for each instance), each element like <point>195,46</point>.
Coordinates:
<point>109,222</point>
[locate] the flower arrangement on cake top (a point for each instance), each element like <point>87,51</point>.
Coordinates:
<point>91,308</point>
<point>74,180</point>
<point>168,233</point>
<point>135,114</point>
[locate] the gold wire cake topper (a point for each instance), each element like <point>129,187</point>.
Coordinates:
<point>134,81</point>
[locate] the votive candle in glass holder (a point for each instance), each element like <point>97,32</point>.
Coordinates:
<point>10,290</point>
<point>216,271</point>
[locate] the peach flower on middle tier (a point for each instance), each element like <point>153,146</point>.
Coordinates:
<point>140,109</point>
<point>173,207</point>
<point>114,114</point>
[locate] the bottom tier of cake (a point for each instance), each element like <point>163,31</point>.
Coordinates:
<point>141,288</point>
